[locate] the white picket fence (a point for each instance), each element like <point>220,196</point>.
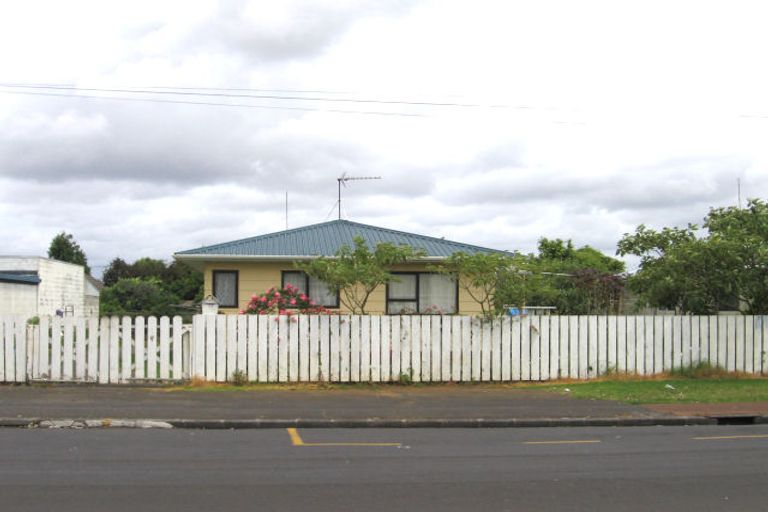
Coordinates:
<point>351,348</point>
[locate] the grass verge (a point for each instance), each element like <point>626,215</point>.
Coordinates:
<point>666,391</point>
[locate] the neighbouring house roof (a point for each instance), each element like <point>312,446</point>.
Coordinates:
<point>94,282</point>
<point>325,239</point>
<point>16,278</point>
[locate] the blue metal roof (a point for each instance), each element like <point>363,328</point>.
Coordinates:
<point>19,278</point>
<point>326,238</point>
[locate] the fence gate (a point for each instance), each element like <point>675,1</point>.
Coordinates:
<point>108,350</point>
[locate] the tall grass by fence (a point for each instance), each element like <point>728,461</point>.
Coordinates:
<point>352,348</point>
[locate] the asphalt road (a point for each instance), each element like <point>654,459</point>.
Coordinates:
<point>573,469</point>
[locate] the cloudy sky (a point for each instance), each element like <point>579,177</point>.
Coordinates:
<point>147,127</point>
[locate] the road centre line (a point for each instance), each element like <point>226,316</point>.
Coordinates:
<point>712,438</point>
<point>575,441</point>
<point>296,440</point>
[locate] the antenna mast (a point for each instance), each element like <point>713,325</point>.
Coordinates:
<point>343,179</point>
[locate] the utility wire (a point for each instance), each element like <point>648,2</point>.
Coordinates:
<point>206,103</point>
<point>254,96</point>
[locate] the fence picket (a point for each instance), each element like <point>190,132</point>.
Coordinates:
<point>394,336</point>
<point>345,343</point>
<point>695,350</point>
<point>658,344</point>
<point>505,333</point>
<point>415,347</point>
<point>426,348</point>
<point>749,343</point>
<point>126,348</point>
<point>283,341</point>
<point>525,348</point>
<point>476,350</point>
<point>114,350</point>
<point>5,321</point>
<point>611,362</point>
<point>602,344</point>
<point>20,360</point>
<point>165,348</point>
<point>439,371</point>
<point>241,363</point>
<point>176,350</point>
<point>56,334</point>
<point>43,350</point>
<point>231,347</point>
<point>554,347</point>
<point>262,348</point>
<point>592,355</point>
<point>466,348</point>
<point>199,331</point>
<point>640,345</point>
<point>335,361</point>
<point>738,343</point>
<point>386,349</point>
<point>292,326</point>
<point>306,349</point>
<point>253,348</point>
<point>546,340</point>
<point>323,362</point>
<point>563,369</point>
<point>573,347</point>
<point>80,340</point>
<point>221,348</point>
<point>485,347</point>
<point>535,347</point>
<point>496,368</point>
<point>685,341</point>
<point>375,349</point>
<point>364,372</point>
<point>621,344</point>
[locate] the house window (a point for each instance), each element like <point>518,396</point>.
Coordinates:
<point>225,287</point>
<point>421,292</point>
<point>315,289</point>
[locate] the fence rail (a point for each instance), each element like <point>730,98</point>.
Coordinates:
<point>352,348</point>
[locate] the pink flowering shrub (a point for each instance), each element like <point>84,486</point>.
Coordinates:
<point>282,301</point>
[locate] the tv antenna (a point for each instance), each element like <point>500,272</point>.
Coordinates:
<point>343,179</point>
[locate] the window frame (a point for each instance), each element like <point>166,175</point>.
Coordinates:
<point>418,292</point>
<point>306,288</point>
<point>215,273</point>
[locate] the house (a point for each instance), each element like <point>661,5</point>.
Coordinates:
<point>35,286</point>
<point>234,271</point>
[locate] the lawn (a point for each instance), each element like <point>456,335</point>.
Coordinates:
<point>666,391</point>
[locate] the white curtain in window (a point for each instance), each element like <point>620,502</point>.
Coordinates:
<point>402,307</point>
<point>297,279</point>
<point>437,294</point>
<point>319,292</point>
<point>226,283</point>
<point>403,286</point>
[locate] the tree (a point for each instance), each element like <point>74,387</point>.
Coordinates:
<point>134,296</point>
<point>577,281</point>
<point>486,278</point>
<point>701,272</point>
<point>178,278</point>
<point>64,248</point>
<point>116,270</point>
<point>356,271</point>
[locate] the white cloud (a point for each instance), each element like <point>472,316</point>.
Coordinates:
<point>590,118</point>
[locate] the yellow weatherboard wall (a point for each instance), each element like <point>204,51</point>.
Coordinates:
<point>257,277</point>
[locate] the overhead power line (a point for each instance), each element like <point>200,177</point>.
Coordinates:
<point>208,103</point>
<point>184,92</point>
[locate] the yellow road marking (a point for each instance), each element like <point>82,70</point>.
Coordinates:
<point>296,440</point>
<point>757,436</point>
<point>578,441</point>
